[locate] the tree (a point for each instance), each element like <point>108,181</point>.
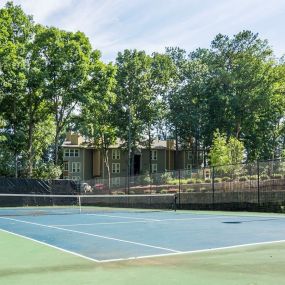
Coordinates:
<point>96,120</point>
<point>226,154</point>
<point>16,34</point>
<point>66,58</point>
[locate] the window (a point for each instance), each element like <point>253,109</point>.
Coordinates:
<point>116,181</point>
<point>75,167</point>
<point>65,177</point>
<point>71,152</point>
<point>154,155</point>
<point>65,165</point>
<point>154,168</point>
<point>115,154</point>
<point>115,167</point>
<point>188,167</point>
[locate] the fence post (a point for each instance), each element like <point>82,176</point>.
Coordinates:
<point>213,186</point>
<point>179,188</point>
<point>258,186</point>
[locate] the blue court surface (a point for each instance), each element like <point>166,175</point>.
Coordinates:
<point>123,235</point>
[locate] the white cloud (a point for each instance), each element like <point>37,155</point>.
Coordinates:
<point>114,25</point>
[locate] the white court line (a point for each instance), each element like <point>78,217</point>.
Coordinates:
<point>122,217</point>
<point>93,235</point>
<point>147,256</point>
<point>134,222</point>
<point>194,251</point>
<point>52,246</point>
<point>107,223</point>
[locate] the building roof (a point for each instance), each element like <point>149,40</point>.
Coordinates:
<point>74,140</point>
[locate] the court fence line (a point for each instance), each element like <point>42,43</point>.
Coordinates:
<point>258,186</point>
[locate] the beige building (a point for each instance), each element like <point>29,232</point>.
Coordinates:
<point>83,161</point>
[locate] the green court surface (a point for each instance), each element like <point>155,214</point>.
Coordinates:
<point>25,262</point>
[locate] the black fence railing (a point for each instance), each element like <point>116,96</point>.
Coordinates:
<point>258,186</point>
<point>252,186</point>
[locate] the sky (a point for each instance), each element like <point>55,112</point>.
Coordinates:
<point>152,25</point>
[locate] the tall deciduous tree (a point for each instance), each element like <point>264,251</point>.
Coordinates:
<point>66,58</point>
<point>96,120</point>
<point>16,34</point>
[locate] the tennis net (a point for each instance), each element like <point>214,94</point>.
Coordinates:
<point>42,204</point>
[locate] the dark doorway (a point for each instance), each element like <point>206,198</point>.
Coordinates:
<point>137,164</point>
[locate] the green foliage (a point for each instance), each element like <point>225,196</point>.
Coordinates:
<point>276,176</point>
<point>47,171</point>
<point>243,178</point>
<point>166,178</point>
<point>226,179</point>
<point>189,190</point>
<point>217,180</point>
<point>208,180</point>
<point>253,177</point>
<point>264,177</point>
<point>225,154</point>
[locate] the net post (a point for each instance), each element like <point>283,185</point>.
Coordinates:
<point>79,204</point>
<point>175,202</point>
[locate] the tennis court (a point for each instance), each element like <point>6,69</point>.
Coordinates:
<point>116,236</point>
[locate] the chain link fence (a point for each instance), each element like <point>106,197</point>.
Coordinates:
<point>258,186</point>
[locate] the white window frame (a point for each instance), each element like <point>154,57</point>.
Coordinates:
<point>154,168</point>
<point>75,167</point>
<point>153,154</point>
<point>116,167</point>
<point>116,154</point>
<point>116,181</point>
<point>72,152</point>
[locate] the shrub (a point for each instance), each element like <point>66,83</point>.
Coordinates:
<point>226,179</point>
<point>218,180</point>
<point>163,191</point>
<point>191,181</point>
<point>118,193</point>
<point>243,178</point>
<point>172,191</point>
<point>189,190</point>
<point>203,189</point>
<point>199,181</point>
<point>276,176</point>
<point>166,177</point>
<point>173,182</point>
<point>264,177</point>
<point>146,180</point>
<point>208,180</point>
<point>253,177</point>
